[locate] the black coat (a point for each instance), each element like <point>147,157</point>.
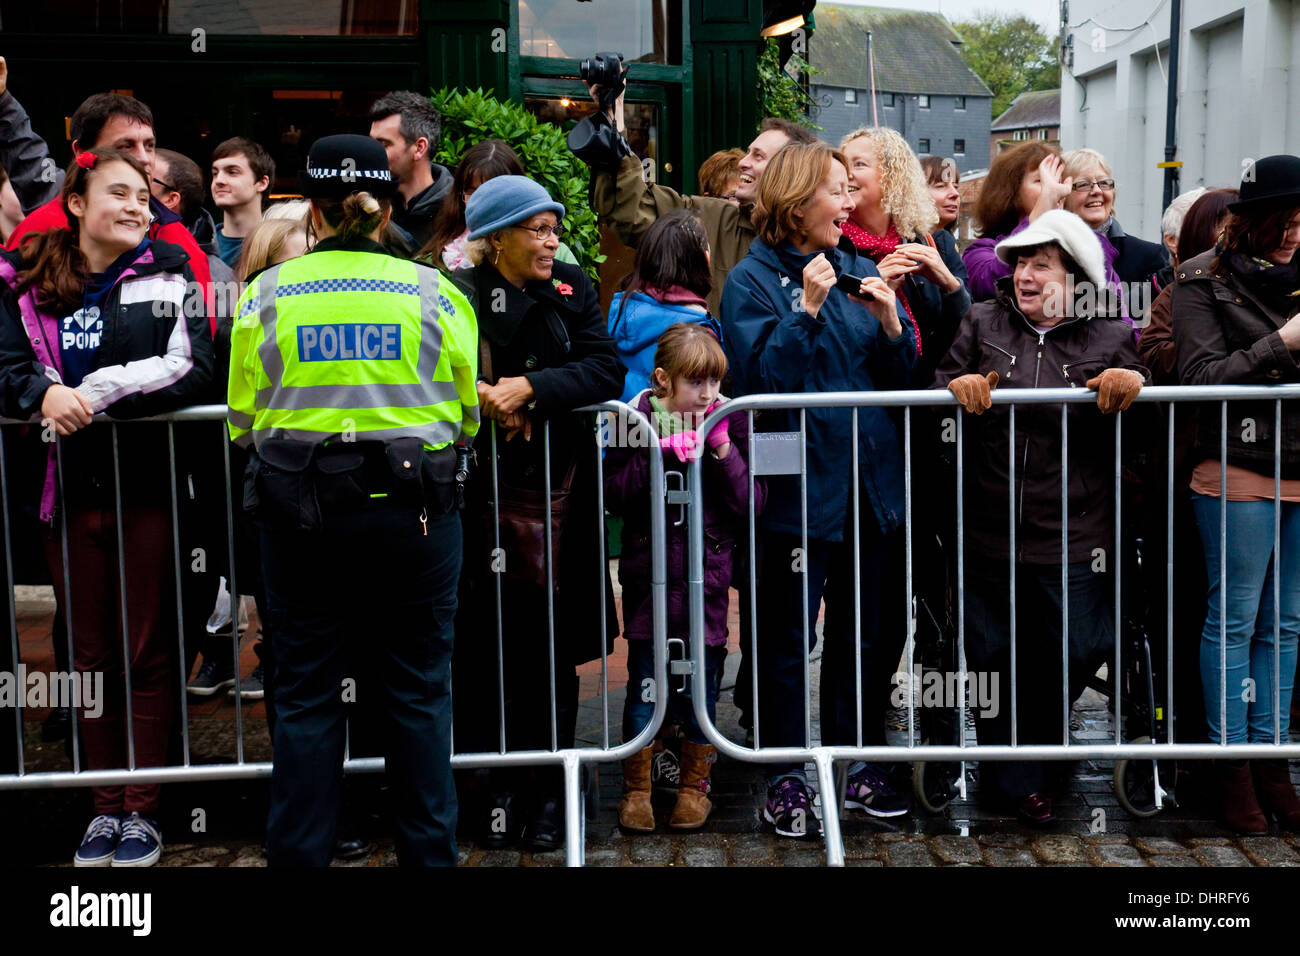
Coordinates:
<point>559,342</point>
<point>1135,262</point>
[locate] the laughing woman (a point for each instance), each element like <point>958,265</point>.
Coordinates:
<point>99,318</point>
<point>788,327</point>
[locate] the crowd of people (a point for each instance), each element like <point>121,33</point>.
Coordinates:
<point>404,351</point>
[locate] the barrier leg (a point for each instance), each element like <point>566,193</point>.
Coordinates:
<point>575,837</point>
<point>832,788</point>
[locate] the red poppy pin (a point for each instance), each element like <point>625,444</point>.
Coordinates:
<point>562,287</point>
<point>86,160</point>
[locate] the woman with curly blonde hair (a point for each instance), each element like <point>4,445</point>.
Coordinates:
<point>891,224</point>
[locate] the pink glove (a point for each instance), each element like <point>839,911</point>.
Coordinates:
<point>685,445</point>
<point>719,436</point>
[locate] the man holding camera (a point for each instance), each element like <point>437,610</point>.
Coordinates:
<point>622,198</point>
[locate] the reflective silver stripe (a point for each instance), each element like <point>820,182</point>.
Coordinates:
<point>269,351</point>
<point>432,433</point>
<point>424,392</point>
<point>345,397</point>
<point>238,418</point>
<point>430,319</point>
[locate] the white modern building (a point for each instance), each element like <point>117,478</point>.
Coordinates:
<point>1238,82</point>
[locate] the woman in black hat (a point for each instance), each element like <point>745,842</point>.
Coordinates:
<point>1235,322</point>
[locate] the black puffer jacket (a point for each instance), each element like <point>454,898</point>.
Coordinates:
<point>995,336</point>
<point>1226,331</point>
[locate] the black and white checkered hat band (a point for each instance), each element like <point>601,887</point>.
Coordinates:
<point>381,174</point>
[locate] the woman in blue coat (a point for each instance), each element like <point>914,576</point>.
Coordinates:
<point>789,328</point>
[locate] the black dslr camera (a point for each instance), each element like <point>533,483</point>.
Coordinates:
<point>594,139</point>
<point>606,71</point>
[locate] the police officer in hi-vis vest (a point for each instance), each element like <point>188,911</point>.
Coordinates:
<point>352,380</point>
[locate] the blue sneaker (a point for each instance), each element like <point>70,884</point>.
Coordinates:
<point>869,790</point>
<point>100,842</point>
<point>789,809</point>
<point>141,842</point>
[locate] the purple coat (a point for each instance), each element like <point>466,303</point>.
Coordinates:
<point>984,268</point>
<point>726,512</point>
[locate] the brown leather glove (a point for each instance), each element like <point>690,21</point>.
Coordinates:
<point>1116,388</point>
<point>973,391</point>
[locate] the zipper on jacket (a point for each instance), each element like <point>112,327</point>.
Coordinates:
<point>1011,369</point>
<point>1024,465</point>
<point>1065,370</point>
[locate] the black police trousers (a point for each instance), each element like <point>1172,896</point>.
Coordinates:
<point>373,581</point>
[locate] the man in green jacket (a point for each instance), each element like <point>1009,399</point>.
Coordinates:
<point>623,199</point>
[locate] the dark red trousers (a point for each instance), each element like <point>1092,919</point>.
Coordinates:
<point>94,614</point>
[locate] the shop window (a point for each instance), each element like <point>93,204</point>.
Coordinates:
<point>567,29</point>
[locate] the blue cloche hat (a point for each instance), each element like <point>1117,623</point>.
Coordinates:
<point>505,200</point>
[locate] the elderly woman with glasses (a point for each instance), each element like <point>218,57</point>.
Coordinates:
<point>543,352</point>
<point>1092,199</point>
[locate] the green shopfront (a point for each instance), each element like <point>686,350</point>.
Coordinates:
<point>287,71</point>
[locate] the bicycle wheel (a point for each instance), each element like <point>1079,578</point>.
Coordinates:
<point>1135,783</point>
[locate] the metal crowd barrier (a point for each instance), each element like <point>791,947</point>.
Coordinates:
<point>825,757</point>
<point>571,760</point>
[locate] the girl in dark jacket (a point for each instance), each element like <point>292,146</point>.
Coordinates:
<point>1236,320</point>
<point>689,368</point>
<point>789,328</point>
<point>97,318</point>
<point>543,352</point>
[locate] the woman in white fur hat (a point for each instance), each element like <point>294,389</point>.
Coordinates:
<point>1054,323</point>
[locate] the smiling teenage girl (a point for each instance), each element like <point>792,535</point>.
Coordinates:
<point>98,318</point>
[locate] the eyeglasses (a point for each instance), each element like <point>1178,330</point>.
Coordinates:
<point>542,232</point>
<point>166,186</point>
<point>1083,186</point>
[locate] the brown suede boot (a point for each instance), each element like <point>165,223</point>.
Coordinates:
<point>1276,794</point>
<point>634,811</point>
<point>693,803</point>
<point>1238,803</point>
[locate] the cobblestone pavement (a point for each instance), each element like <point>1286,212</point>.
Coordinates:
<point>964,834</point>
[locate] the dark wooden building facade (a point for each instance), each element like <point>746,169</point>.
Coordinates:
<point>287,71</point>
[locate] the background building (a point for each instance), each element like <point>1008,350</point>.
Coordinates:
<point>1238,83</point>
<point>924,89</point>
<point>1032,115</point>
<point>284,72</point>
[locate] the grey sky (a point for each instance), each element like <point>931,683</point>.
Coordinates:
<point>1046,13</point>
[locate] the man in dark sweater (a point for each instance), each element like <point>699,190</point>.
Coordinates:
<point>409,128</point>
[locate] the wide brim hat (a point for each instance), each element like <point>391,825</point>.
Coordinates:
<point>504,201</point>
<point>1066,230</point>
<point>1270,181</point>
<point>347,163</point>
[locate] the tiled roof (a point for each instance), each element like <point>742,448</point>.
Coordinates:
<point>914,52</point>
<point>1030,111</point>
